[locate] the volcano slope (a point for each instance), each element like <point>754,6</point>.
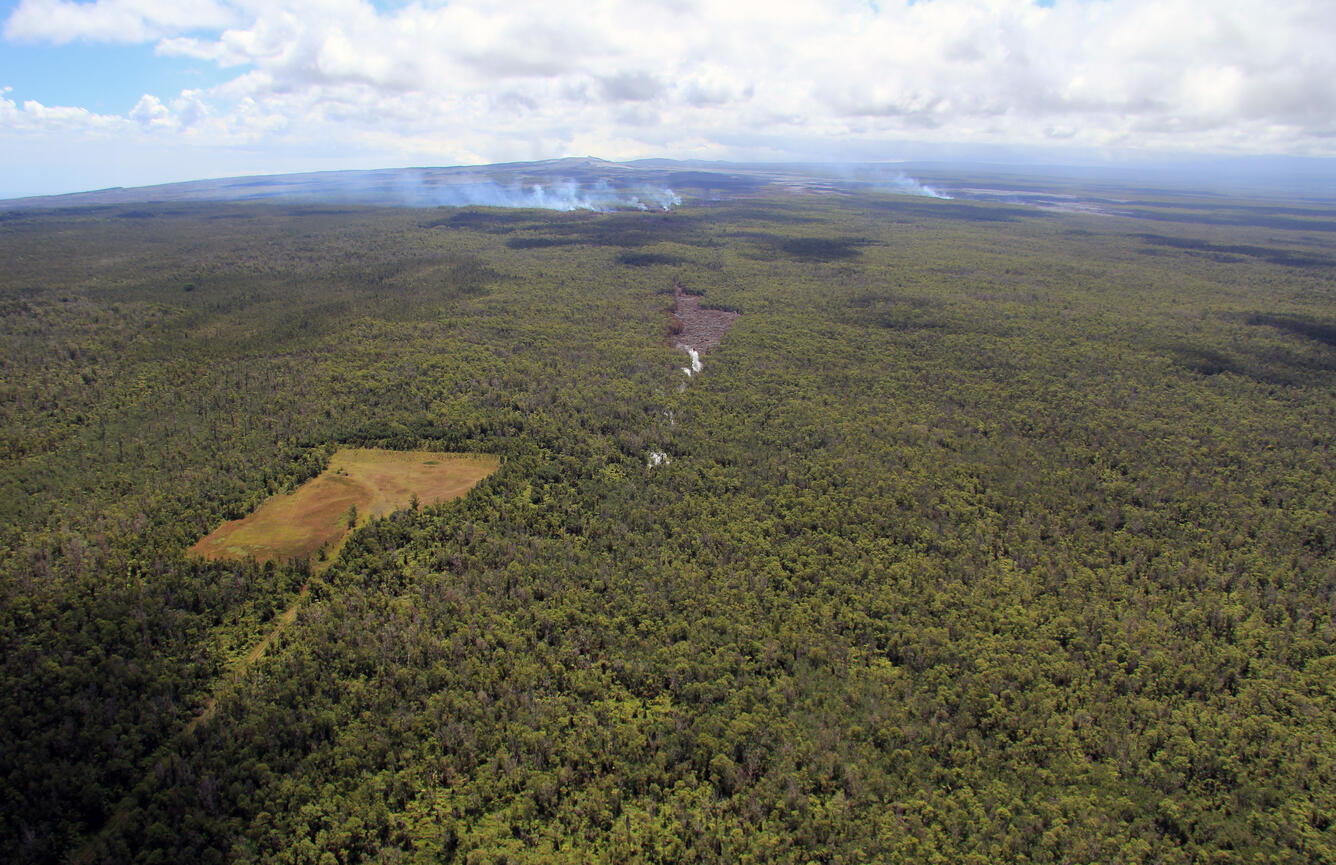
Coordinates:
<point>988,534</point>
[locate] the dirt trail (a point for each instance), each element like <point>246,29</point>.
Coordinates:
<point>91,850</point>
<point>287,617</point>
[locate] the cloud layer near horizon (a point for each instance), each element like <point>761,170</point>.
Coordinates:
<point>481,81</point>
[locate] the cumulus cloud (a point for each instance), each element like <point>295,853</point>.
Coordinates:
<point>34,118</point>
<point>150,112</point>
<point>474,80</point>
<point>116,20</point>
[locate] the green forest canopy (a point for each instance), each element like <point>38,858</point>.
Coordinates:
<point>987,534</point>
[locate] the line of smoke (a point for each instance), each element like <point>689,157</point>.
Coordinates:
<point>879,178</point>
<point>563,195</point>
<point>907,185</point>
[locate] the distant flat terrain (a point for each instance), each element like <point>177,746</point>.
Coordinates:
<point>316,515</point>
<point>592,184</point>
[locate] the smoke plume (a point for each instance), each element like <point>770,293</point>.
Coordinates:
<point>563,195</point>
<point>906,185</point>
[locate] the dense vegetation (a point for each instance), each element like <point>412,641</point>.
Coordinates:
<point>988,534</point>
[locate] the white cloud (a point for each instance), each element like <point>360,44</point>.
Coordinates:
<point>115,20</point>
<point>150,113</point>
<point>34,118</point>
<point>480,80</point>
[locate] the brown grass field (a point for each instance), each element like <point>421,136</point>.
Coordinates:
<point>376,482</point>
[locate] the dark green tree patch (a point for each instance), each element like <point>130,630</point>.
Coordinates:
<point>1230,252</point>
<point>649,259</point>
<point>1318,329</point>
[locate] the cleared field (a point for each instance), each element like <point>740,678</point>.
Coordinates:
<point>375,482</point>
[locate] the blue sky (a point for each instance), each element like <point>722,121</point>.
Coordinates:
<point>102,78</point>
<point>130,92</point>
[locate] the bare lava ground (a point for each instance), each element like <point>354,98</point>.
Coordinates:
<point>696,327</point>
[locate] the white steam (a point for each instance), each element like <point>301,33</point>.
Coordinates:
<point>564,195</point>
<point>882,178</point>
<point>906,185</point>
<point>696,366</point>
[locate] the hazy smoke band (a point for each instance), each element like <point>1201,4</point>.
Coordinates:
<point>907,185</point>
<point>564,195</point>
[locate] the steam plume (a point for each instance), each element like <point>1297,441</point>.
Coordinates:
<point>563,195</point>
<point>882,178</point>
<point>696,366</point>
<point>907,185</point>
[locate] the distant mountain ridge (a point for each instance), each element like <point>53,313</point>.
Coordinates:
<point>428,186</point>
<point>590,183</point>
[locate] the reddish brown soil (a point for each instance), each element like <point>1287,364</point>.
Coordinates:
<point>375,482</point>
<point>694,327</point>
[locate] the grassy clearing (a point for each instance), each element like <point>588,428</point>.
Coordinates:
<point>317,515</point>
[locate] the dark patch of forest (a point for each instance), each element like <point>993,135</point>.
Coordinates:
<point>649,259</point>
<point>1230,252</point>
<point>1322,329</point>
<point>1243,216</point>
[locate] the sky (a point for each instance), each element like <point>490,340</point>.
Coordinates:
<point>134,92</point>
